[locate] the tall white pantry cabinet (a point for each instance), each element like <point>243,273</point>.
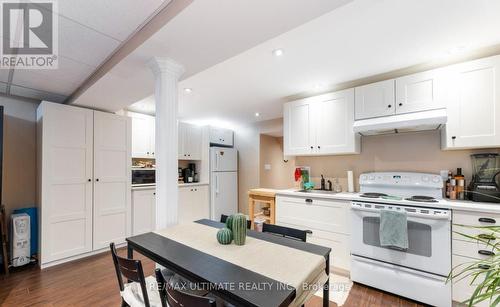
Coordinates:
<point>84,182</point>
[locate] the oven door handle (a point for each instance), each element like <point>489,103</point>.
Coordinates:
<point>409,214</point>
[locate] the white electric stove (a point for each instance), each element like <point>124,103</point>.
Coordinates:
<point>420,271</point>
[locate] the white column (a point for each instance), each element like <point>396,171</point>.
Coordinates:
<point>167,73</point>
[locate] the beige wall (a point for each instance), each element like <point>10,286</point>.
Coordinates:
<point>419,151</point>
<point>19,154</point>
<point>281,174</point>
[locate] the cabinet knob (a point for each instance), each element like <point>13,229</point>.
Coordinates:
<point>90,180</point>
<point>97,179</point>
<point>154,193</point>
<point>319,147</point>
<point>312,147</point>
<point>147,152</point>
<point>389,106</point>
<point>453,137</point>
<point>400,104</point>
<point>308,200</point>
<point>487,220</point>
<point>152,153</point>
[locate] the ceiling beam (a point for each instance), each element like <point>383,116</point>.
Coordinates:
<point>155,22</point>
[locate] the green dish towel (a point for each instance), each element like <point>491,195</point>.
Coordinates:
<point>393,229</point>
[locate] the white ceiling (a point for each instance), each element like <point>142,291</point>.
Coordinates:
<point>205,33</point>
<point>357,40</point>
<point>89,31</point>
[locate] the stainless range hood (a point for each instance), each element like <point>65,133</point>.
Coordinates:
<point>418,121</point>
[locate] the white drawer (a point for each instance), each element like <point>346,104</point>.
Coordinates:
<point>474,250</point>
<point>314,213</point>
<point>470,220</point>
<point>340,257</point>
<point>462,290</point>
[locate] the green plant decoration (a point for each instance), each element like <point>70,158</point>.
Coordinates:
<point>224,236</point>
<point>239,227</point>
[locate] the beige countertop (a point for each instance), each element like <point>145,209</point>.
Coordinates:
<point>148,186</point>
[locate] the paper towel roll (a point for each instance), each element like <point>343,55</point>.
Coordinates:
<point>350,182</point>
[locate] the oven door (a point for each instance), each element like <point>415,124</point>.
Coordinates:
<point>429,237</point>
<point>143,176</point>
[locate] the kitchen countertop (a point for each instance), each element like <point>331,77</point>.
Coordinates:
<point>465,205</point>
<point>147,186</point>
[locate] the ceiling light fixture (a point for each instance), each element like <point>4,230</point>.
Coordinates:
<point>278,52</point>
<point>188,90</point>
<point>257,114</point>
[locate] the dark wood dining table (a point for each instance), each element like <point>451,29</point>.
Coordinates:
<point>222,276</point>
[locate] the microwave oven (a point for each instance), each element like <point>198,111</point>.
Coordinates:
<point>143,176</point>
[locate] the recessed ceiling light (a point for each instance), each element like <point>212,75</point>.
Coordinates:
<point>188,90</point>
<point>278,52</point>
<point>257,114</point>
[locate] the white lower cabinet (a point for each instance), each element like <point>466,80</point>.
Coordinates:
<point>143,210</point>
<point>327,219</point>
<point>193,203</point>
<point>466,251</point>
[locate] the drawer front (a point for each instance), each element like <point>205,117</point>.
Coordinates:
<point>471,220</point>
<point>463,290</point>
<point>475,250</point>
<point>314,214</point>
<point>340,257</point>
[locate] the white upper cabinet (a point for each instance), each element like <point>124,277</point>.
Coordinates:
<point>375,100</point>
<point>321,125</point>
<point>422,91</point>
<point>143,136</point>
<point>474,107</point>
<point>298,127</point>
<point>190,142</point>
<point>221,136</point>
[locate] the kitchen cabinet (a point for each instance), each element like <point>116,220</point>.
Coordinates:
<point>221,136</point>
<point>329,221</point>
<point>84,180</point>
<point>193,203</point>
<point>143,210</point>
<point>466,250</point>
<point>190,141</point>
<point>474,108</point>
<point>143,136</point>
<point>321,125</point>
<point>375,100</point>
<point>422,91</point>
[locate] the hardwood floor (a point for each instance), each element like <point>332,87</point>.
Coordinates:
<point>92,282</point>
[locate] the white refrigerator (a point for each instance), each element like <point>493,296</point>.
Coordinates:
<point>223,182</point>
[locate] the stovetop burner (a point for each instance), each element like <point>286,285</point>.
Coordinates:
<point>423,199</point>
<point>373,195</point>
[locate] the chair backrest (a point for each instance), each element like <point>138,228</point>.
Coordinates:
<point>223,219</point>
<point>175,298</point>
<point>132,270</point>
<point>286,232</point>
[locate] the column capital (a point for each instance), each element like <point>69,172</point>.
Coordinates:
<point>168,66</point>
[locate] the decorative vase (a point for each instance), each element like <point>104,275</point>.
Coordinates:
<point>224,236</point>
<point>229,222</point>
<point>239,227</point>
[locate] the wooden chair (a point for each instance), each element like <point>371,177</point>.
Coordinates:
<point>170,297</point>
<point>286,232</point>
<point>223,219</point>
<point>132,270</point>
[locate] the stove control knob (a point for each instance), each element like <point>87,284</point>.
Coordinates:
<point>425,178</point>
<point>436,179</point>
<point>372,177</point>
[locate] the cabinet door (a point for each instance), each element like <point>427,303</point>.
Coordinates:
<point>422,91</point>
<point>333,120</point>
<point>298,127</point>
<point>152,136</point>
<point>141,137</point>
<point>181,153</point>
<point>192,142</point>
<point>221,136</point>
<point>66,192</point>
<point>193,203</point>
<point>474,109</point>
<point>112,180</point>
<point>143,211</point>
<point>375,100</point>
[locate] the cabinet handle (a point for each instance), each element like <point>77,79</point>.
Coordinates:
<point>154,193</point>
<point>90,180</point>
<point>152,153</point>
<point>483,267</point>
<point>400,104</point>
<point>97,179</point>
<point>389,106</point>
<point>486,237</point>
<point>309,232</point>
<point>485,252</point>
<point>319,147</point>
<point>453,137</point>
<point>312,147</point>
<point>308,200</point>
<point>147,153</point>
<point>487,220</point>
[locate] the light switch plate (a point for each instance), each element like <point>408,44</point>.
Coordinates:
<point>267,167</point>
